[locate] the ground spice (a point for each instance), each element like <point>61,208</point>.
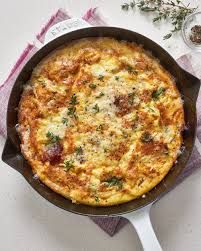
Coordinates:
<point>195,36</point>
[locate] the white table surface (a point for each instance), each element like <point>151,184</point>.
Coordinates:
<point>30,223</point>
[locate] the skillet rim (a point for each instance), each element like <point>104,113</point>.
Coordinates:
<point>37,54</point>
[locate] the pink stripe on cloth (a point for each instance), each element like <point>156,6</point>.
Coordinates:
<point>6,88</point>
<point>94,18</point>
<point>114,224</point>
<point>19,62</point>
<point>60,15</point>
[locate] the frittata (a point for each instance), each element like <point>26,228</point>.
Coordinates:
<point>100,121</point>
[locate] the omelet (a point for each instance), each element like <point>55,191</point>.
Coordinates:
<point>100,121</point>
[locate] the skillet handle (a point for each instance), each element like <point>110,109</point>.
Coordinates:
<point>141,221</point>
<point>13,157</point>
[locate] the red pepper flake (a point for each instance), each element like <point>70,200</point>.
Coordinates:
<point>195,36</point>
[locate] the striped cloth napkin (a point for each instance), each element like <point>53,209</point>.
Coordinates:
<point>114,224</point>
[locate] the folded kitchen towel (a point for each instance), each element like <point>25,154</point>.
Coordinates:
<point>92,16</point>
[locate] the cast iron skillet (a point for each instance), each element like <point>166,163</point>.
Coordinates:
<point>187,84</point>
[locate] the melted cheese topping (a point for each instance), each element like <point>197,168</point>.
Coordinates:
<point>101,121</point>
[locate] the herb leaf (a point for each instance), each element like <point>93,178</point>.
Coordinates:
<point>97,199</point>
<point>68,164</point>
<point>92,86</point>
<point>52,137</point>
<point>114,181</point>
<point>167,36</point>
<point>72,112</point>
<point>100,95</point>
<point>100,77</point>
<point>96,108</point>
<point>131,70</point>
<point>131,98</point>
<point>125,6</point>
<point>79,150</point>
<point>65,121</point>
<point>157,93</point>
<point>74,100</point>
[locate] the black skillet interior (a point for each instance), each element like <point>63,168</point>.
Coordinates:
<point>187,84</point>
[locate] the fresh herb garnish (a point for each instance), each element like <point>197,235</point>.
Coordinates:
<point>146,137</point>
<point>73,100</point>
<point>72,112</point>
<point>174,10</point>
<point>100,77</point>
<point>97,199</point>
<point>151,110</point>
<point>155,94</point>
<point>131,70</point>
<point>52,137</point>
<point>68,164</point>
<point>92,86</point>
<point>131,98</point>
<point>65,121</point>
<point>79,150</point>
<point>105,150</point>
<point>116,78</point>
<point>100,95</point>
<point>126,6</point>
<point>96,108</point>
<point>85,81</point>
<point>42,82</point>
<point>114,181</point>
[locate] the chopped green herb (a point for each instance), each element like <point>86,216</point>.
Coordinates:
<point>79,150</point>
<point>146,137</point>
<point>114,181</point>
<point>85,81</point>
<point>157,93</point>
<point>130,69</point>
<point>52,137</point>
<point>65,121</point>
<point>100,95</point>
<point>68,165</point>
<point>97,199</point>
<point>140,181</point>
<point>73,100</point>
<point>41,82</point>
<point>100,77</point>
<point>72,112</point>
<point>117,78</point>
<point>151,110</point>
<point>96,108</point>
<point>105,150</point>
<point>131,98</point>
<point>92,86</point>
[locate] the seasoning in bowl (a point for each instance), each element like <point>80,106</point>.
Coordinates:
<point>195,35</point>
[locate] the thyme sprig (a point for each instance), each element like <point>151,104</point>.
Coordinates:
<point>173,10</point>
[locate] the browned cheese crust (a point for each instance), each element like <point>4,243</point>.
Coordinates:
<point>100,121</point>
